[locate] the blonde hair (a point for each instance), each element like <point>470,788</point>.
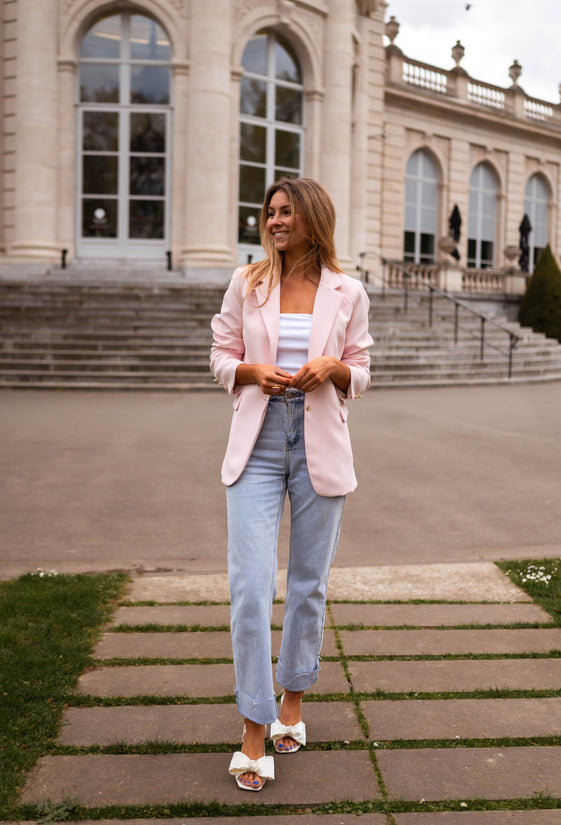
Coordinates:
<point>312,201</point>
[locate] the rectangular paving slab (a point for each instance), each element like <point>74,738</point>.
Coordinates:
<point>203,615</point>
<point>190,724</point>
<point>435,615</point>
<point>456,675</point>
<point>305,778</point>
<point>441,642</point>
<point>464,718</point>
<point>188,680</point>
<point>551,817</point>
<point>184,645</point>
<point>471,773</point>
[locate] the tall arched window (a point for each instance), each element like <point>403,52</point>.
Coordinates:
<point>536,206</point>
<point>421,208</point>
<point>271,126</point>
<point>482,218</point>
<point>123,136</point>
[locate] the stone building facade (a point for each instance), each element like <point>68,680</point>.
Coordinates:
<point>148,131</point>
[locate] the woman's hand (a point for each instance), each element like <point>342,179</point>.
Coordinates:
<point>315,372</point>
<point>272,380</point>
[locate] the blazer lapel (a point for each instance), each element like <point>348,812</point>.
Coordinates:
<point>270,311</point>
<point>326,308</point>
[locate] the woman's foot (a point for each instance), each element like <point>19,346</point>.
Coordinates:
<point>290,717</point>
<point>253,747</point>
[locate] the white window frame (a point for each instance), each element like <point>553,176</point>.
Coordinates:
<point>421,180</point>
<point>478,230</point>
<point>540,229</point>
<point>271,125</point>
<point>122,247</point>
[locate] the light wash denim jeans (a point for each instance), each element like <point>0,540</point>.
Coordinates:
<point>255,502</point>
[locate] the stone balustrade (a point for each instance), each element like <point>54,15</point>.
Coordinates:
<point>455,279</point>
<point>457,84</point>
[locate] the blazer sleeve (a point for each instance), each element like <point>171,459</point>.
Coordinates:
<point>228,346</point>
<point>358,340</point>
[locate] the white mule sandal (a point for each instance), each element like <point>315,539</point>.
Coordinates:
<point>296,732</point>
<point>241,763</point>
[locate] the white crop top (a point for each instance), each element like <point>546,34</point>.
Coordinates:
<point>294,339</point>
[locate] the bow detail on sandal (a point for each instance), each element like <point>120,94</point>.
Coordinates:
<point>296,732</point>
<point>263,767</point>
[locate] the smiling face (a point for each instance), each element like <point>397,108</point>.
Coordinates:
<point>288,229</point>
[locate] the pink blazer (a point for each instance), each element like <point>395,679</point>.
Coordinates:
<point>246,332</point>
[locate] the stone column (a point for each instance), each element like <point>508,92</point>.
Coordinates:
<point>337,119</point>
<point>35,234</point>
<point>359,144</point>
<point>179,179</point>
<point>66,177</point>
<point>208,214</point>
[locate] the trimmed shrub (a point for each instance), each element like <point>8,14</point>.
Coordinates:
<point>540,307</point>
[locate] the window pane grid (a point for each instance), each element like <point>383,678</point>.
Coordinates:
<point>271,138</point>
<point>131,82</point>
<point>482,217</point>
<point>421,208</point>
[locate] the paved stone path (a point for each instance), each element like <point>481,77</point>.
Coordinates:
<point>393,745</point>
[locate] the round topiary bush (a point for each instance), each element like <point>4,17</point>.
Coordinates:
<point>540,307</point>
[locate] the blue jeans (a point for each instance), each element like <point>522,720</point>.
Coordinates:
<point>255,502</point>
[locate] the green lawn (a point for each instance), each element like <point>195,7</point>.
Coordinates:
<point>48,627</point>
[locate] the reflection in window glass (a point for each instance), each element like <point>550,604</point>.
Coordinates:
<point>147,132</point>
<point>99,83</point>
<point>286,63</point>
<point>252,184</point>
<point>146,219</point>
<point>253,97</point>
<point>100,174</point>
<point>287,151</point>
<point>148,40</point>
<point>147,176</point>
<point>100,132</point>
<point>103,40</point>
<point>149,84</point>
<point>254,58</point>
<point>271,125</point>
<point>288,105</point>
<point>253,142</point>
<point>99,218</point>
<point>248,229</point>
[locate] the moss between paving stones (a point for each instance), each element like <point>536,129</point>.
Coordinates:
<point>549,600</point>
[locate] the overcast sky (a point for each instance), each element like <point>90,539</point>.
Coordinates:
<point>493,32</point>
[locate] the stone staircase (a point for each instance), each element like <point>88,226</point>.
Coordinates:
<point>58,333</point>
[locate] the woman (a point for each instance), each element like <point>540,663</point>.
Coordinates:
<point>290,344</point>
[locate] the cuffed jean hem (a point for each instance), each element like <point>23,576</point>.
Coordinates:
<point>260,711</point>
<point>295,681</point>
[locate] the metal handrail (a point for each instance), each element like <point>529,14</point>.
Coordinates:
<point>514,338</point>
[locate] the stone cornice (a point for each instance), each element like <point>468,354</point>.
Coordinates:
<point>420,100</point>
